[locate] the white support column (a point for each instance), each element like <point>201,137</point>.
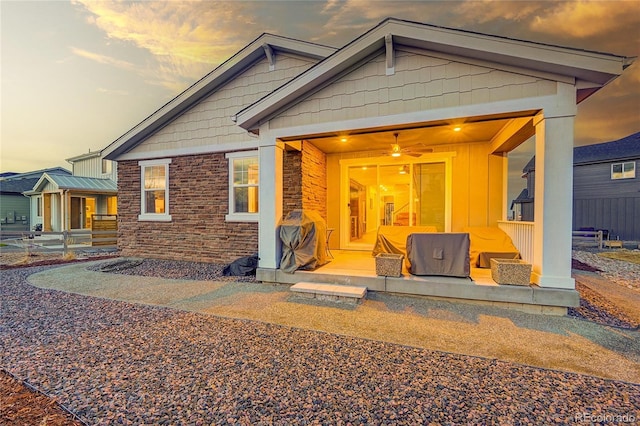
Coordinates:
<point>269,250</point>
<point>553,202</point>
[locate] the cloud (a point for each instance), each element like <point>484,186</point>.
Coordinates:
<point>484,11</point>
<point>187,39</point>
<point>112,92</point>
<point>102,59</point>
<point>587,18</point>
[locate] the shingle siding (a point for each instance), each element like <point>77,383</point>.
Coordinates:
<point>420,82</point>
<point>209,122</point>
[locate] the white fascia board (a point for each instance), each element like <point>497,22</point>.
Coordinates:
<point>589,65</point>
<point>250,117</point>
<point>83,157</point>
<point>208,84</point>
<point>44,178</point>
<point>598,67</point>
<point>194,150</point>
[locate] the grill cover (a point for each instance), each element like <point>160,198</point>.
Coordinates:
<point>303,234</point>
<point>438,254</point>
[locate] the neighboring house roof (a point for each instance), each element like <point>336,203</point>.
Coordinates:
<point>18,183</point>
<point>85,156</point>
<point>265,45</point>
<point>627,148</point>
<point>77,183</point>
<point>37,173</point>
<point>623,149</point>
<point>590,70</point>
<point>17,186</point>
<point>523,197</point>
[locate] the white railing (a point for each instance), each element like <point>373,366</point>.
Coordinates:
<point>521,234</point>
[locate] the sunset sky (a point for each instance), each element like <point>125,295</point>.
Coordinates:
<point>77,75</point>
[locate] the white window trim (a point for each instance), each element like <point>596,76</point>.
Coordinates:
<point>154,217</point>
<point>240,217</point>
<point>622,164</point>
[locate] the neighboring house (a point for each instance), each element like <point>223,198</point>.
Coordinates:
<point>63,202</point>
<point>523,205</point>
<point>286,124</point>
<point>15,211</point>
<point>606,188</point>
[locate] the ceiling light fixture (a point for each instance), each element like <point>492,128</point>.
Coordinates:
<point>457,129</point>
<point>395,148</point>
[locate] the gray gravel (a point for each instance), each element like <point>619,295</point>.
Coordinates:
<point>113,362</point>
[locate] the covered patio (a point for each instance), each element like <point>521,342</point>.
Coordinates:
<point>357,268</point>
<point>443,108</point>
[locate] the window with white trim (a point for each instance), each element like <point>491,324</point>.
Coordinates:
<point>243,186</point>
<point>623,170</point>
<point>154,187</point>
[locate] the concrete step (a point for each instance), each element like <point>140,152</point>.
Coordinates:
<point>332,292</point>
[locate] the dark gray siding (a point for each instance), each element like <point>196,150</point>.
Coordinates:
<point>603,203</point>
<point>12,208</point>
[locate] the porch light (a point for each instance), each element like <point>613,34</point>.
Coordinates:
<point>457,129</point>
<point>395,150</point>
<point>343,140</point>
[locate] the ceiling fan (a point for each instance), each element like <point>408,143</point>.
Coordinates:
<point>415,150</point>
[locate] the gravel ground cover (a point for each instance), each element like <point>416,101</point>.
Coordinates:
<point>623,273</point>
<point>113,362</point>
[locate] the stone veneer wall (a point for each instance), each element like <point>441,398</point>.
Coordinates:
<point>314,179</point>
<point>305,180</point>
<point>198,203</point>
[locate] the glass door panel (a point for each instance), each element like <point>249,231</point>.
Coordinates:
<point>429,192</point>
<point>361,212</point>
<point>395,202</point>
<point>392,194</point>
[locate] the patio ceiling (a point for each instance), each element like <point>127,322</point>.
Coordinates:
<point>422,135</point>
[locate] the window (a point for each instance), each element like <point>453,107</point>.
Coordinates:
<point>154,183</point>
<point>623,170</point>
<point>106,166</point>
<point>243,186</point>
<point>39,206</point>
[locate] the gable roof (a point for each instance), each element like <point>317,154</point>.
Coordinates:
<point>265,45</point>
<point>36,173</point>
<point>627,148</point>
<point>78,183</point>
<point>17,183</point>
<point>592,70</point>
<point>17,186</point>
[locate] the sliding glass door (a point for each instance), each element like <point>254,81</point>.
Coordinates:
<point>392,193</point>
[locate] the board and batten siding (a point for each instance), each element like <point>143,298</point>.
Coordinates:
<point>92,167</point>
<point>420,82</point>
<point>604,203</point>
<point>209,122</point>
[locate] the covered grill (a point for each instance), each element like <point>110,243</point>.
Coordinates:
<point>303,235</point>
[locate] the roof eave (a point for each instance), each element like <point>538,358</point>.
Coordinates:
<point>595,67</point>
<point>251,53</point>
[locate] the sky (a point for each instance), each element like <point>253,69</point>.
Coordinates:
<point>76,75</point>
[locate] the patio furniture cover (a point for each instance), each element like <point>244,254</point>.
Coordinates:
<point>303,234</point>
<point>393,239</point>
<point>487,243</point>
<point>438,254</point>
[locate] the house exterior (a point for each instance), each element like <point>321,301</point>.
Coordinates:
<point>606,188</point>
<point>68,202</point>
<point>15,210</point>
<point>286,124</point>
